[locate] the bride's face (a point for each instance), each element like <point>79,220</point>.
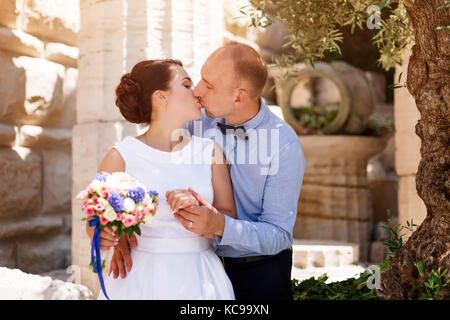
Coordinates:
<point>181,102</point>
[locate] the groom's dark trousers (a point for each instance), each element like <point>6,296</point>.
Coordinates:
<point>261,277</point>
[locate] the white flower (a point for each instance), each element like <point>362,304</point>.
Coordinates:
<point>113,182</point>
<point>109,213</point>
<point>140,207</point>
<point>147,200</point>
<point>96,185</point>
<point>147,218</point>
<point>102,202</point>
<point>129,204</point>
<point>151,206</point>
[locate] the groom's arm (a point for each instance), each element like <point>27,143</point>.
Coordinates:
<point>272,232</point>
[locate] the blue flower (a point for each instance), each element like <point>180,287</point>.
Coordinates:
<point>137,194</point>
<point>152,193</point>
<point>116,201</point>
<point>101,176</point>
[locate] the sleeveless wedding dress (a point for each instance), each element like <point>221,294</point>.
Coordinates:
<point>169,261</point>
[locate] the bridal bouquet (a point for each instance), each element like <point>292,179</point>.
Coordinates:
<point>120,202</point>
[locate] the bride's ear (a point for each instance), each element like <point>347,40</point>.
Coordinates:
<point>159,97</point>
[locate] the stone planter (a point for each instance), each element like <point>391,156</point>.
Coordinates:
<point>334,202</point>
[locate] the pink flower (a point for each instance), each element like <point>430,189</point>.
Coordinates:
<point>85,204</point>
<point>104,221</point>
<point>139,216</point>
<point>89,210</point>
<point>82,195</point>
<point>99,207</point>
<point>129,220</point>
<point>104,194</point>
<point>94,198</point>
<point>146,211</point>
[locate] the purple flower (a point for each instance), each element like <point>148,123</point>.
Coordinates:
<point>137,194</point>
<point>101,176</point>
<point>116,201</point>
<point>152,193</point>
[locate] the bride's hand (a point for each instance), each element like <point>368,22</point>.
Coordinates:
<point>121,259</point>
<point>108,238</point>
<point>178,199</point>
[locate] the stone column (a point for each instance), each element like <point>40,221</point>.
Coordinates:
<point>407,151</point>
<point>114,35</point>
<point>334,202</point>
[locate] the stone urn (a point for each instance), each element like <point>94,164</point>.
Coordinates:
<point>334,202</point>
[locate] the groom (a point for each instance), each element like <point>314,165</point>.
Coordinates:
<point>266,167</point>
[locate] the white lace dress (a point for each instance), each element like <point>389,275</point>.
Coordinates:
<point>169,261</point>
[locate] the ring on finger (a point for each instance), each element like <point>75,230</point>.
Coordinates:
<point>190,224</point>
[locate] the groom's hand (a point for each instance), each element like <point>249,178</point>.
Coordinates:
<point>122,256</point>
<point>202,219</point>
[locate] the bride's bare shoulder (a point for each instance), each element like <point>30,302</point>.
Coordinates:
<point>112,162</point>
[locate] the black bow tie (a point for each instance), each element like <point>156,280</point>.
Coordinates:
<point>235,130</point>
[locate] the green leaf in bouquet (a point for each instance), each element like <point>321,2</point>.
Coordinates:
<point>138,230</point>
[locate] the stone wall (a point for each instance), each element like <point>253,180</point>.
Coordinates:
<point>38,60</point>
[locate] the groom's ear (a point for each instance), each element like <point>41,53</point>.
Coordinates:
<point>241,96</point>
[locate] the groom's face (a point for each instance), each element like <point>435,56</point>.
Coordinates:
<point>216,87</point>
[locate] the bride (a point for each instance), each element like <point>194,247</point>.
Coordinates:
<point>169,262</point>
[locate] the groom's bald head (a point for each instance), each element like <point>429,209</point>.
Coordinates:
<point>248,68</point>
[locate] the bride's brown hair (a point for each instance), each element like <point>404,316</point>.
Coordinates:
<point>134,92</point>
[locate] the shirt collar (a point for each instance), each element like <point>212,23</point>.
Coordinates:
<point>253,122</point>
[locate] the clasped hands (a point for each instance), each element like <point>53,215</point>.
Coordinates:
<point>195,214</point>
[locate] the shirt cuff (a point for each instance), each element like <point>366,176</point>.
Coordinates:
<point>224,239</point>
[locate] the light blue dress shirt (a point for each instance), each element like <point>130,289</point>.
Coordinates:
<point>267,172</point>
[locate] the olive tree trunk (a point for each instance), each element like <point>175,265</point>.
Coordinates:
<point>428,82</point>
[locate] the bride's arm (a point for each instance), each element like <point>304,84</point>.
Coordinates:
<point>221,181</point>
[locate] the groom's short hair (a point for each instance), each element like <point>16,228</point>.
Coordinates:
<point>248,66</point>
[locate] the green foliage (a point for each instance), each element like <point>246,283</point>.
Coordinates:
<point>92,268</point>
<point>398,85</point>
<point>317,289</point>
<point>315,118</point>
<point>394,36</point>
<point>433,284</point>
<point>313,26</point>
<point>444,6</point>
<point>395,241</point>
<point>379,127</point>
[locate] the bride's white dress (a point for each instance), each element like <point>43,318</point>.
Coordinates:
<point>169,261</point>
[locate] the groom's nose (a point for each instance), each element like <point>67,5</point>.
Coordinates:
<point>197,90</point>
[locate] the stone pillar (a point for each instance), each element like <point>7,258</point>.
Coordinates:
<point>114,35</point>
<point>407,151</point>
<point>334,202</point>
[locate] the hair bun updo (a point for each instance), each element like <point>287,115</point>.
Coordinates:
<point>130,86</point>
<point>129,102</point>
<point>134,92</point>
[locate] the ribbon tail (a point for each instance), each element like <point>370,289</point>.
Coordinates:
<point>96,260</point>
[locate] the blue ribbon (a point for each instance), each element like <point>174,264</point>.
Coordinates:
<point>96,260</point>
